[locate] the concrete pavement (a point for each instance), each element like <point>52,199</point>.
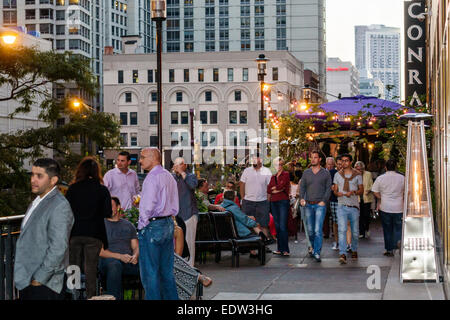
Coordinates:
<point>299,277</point>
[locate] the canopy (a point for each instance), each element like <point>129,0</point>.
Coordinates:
<point>352,105</point>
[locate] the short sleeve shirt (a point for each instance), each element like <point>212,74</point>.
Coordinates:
<point>391,186</point>
<point>353,200</point>
<point>256,182</point>
<point>120,233</point>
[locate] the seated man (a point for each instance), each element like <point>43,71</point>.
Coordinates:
<point>231,186</point>
<point>243,222</point>
<point>203,187</point>
<point>121,257</point>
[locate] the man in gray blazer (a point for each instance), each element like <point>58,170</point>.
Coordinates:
<point>42,250</point>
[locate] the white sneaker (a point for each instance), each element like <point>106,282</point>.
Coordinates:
<point>335,246</point>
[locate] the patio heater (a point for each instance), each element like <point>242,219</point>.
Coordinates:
<point>418,248</point>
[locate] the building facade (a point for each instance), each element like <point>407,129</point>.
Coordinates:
<point>249,25</point>
<point>438,100</point>
<point>30,120</point>
<point>342,79</point>
<point>371,87</point>
<point>215,95</point>
<point>377,51</point>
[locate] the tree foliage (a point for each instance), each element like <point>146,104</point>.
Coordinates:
<point>27,79</point>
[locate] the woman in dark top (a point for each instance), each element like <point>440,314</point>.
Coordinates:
<point>91,203</point>
<point>278,189</point>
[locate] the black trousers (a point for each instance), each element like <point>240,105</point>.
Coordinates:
<point>40,293</point>
<point>86,249</point>
<point>364,217</point>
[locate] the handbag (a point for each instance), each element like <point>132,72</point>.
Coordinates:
<point>296,208</point>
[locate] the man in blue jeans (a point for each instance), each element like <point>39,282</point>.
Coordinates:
<point>121,257</point>
<point>348,186</point>
<point>315,191</point>
<point>389,187</point>
<point>159,202</point>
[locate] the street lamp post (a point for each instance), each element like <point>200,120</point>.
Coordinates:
<point>159,15</point>
<point>262,67</point>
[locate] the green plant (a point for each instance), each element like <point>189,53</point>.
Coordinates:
<point>200,205</point>
<point>131,215</point>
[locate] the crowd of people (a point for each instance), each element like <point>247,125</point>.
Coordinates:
<point>85,227</point>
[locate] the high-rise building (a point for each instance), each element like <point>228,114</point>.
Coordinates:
<point>342,79</point>
<point>250,25</point>
<point>377,51</point>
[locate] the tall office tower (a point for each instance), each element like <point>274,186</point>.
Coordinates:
<point>297,26</point>
<point>75,25</point>
<point>377,52</point>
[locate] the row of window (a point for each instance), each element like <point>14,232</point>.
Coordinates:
<point>182,117</point>
<point>151,74</point>
<point>208,139</point>
<point>179,96</point>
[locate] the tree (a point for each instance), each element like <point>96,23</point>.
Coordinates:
<point>27,78</point>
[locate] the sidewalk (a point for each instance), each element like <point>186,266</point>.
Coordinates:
<point>301,278</point>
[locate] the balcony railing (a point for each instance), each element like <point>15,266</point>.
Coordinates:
<point>9,230</point>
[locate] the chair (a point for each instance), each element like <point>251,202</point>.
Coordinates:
<point>205,237</point>
<point>226,229</point>
<point>224,233</point>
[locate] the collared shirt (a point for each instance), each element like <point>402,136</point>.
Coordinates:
<point>391,186</point>
<point>35,203</point>
<point>186,193</point>
<point>159,197</point>
<point>256,182</point>
<point>122,185</point>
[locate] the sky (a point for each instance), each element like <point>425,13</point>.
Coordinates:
<point>343,15</point>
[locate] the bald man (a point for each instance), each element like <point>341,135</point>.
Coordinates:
<point>186,183</point>
<point>159,202</point>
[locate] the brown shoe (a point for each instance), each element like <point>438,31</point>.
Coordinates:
<point>354,255</point>
<point>343,259</point>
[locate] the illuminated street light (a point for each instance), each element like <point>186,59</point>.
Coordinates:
<point>262,67</point>
<point>9,38</point>
<point>76,103</point>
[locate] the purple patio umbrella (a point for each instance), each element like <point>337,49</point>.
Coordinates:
<point>351,105</point>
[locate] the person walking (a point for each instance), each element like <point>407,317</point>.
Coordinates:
<point>389,188</point>
<point>42,250</point>
<point>333,203</point>
<point>279,189</point>
<point>187,183</point>
<point>253,188</point>
<point>366,200</point>
<point>348,186</point>
<point>315,190</point>
<point>122,182</point>
<point>91,204</point>
<point>159,202</point>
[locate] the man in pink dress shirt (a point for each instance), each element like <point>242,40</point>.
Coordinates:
<point>159,202</point>
<point>122,182</point>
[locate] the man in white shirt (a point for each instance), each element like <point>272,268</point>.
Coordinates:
<point>389,187</point>
<point>253,189</point>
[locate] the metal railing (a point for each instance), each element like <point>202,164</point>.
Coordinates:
<point>9,230</point>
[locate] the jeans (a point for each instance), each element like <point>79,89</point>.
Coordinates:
<point>315,215</point>
<point>345,213</point>
<point>392,229</point>
<point>280,213</point>
<point>113,270</point>
<point>86,249</point>
<point>156,260</point>
<point>305,225</point>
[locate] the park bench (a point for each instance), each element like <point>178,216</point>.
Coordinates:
<point>216,232</point>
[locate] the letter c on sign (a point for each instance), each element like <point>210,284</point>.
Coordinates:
<point>411,14</point>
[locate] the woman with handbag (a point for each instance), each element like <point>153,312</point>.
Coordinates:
<point>279,189</point>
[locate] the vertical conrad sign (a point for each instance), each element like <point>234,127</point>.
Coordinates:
<point>415,53</point>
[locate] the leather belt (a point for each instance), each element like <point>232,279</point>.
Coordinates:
<point>351,206</point>
<point>312,202</point>
<point>157,218</point>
